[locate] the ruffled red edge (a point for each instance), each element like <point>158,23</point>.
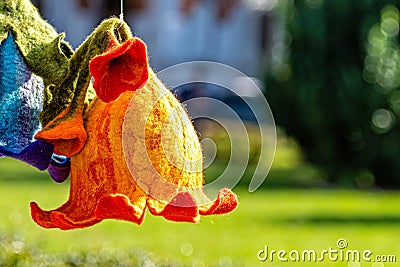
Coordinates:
<point>182,208</point>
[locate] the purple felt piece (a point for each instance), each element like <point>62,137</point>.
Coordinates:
<point>59,168</point>
<point>37,154</point>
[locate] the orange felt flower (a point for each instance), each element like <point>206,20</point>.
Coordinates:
<point>122,68</point>
<point>141,152</point>
<point>66,133</point>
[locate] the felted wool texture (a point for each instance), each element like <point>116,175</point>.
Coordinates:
<point>59,168</point>
<point>123,67</point>
<point>21,98</point>
<point>43,49</point>
<point>38,154</point>
<point>104,181</point>
<point>66,131</point>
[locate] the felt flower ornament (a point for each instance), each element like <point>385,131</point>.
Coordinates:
<point>141,151</point>
<point>126,142</point>
<point>107,182</point>
<point>122,68</point>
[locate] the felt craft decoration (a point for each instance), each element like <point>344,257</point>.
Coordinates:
<point>102,186</point>
<point>121,140</point>
<point>112,178</point>
<point>32,56</point>
<point>122,68</point>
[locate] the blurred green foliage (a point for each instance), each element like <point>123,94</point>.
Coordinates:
<point>287,171</point>
<point>337,90</point>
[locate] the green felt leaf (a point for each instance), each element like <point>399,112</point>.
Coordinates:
<point>74,93</point>
<point>45,51</point>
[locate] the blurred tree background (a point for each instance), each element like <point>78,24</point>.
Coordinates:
<point>337,91</point>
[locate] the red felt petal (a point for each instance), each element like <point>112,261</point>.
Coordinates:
<point>122,68</point>
<point>226,202</point>
<point>64,223</point>
<point>117,207</point>
<point>55,219</point>
<point>182,208</point>
<point>41,217</point>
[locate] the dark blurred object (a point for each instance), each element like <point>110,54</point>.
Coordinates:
<point>84,3</point>
<point>113,7</point>
<point>321,99</point>
<point>188,6</point>
<point>225,8</point>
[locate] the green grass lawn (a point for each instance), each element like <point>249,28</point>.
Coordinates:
<point>277,216</point>
<point>281,219</point>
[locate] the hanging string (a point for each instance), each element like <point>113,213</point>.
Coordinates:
<point>121,15</point>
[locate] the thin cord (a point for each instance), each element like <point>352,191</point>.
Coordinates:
<point>121,16</point>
